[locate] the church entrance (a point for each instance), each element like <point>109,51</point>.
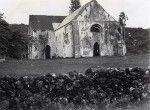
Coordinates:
<point>47,52</point>
<point>96,51</point>
<point>96,29</point>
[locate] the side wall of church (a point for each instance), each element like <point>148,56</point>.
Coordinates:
<point>51,42</point>
<point>64,41</point>
<point>40,39</point>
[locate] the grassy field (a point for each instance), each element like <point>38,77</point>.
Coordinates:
<point>40,67</point>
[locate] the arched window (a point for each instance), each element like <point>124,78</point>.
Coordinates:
<point>96,28</point>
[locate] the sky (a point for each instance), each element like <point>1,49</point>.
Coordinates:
<point>18,11</point>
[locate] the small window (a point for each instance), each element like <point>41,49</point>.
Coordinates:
<point>96,28</point>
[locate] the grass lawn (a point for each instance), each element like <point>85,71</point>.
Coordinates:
<point>40,67</point>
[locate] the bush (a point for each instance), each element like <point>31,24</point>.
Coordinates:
<point>100,88</point>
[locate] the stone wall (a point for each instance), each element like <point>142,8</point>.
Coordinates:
<point>95,14</point>
<point>40,39</point>
<point>64,40</point>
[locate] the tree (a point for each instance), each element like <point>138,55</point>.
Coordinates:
<point>122,19</point>
<point>5,35</point>
<point>75,4</point>
<point>18,43</point>
<point>13,39</point>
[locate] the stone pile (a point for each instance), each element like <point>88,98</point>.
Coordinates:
<point>80,89</point>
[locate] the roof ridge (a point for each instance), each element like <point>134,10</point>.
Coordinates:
<point>44,22</point>
<point>76,13</point>
<point>85,5</point>
<point>48,15</point>
<point>107,12</point>
<point>79,10</point>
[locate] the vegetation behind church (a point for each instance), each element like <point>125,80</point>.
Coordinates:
<point>13,40</point>
<point>137,40</point>
<point>75,4</point>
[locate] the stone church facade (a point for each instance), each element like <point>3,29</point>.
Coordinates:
<point>87,32</point>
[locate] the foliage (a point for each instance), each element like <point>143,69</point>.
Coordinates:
<point>5,35</point>
<point>18,45</point>
<point>75,4</point>
<point>137,40</point>
<point>122,19</point>
<point>13,40</point>
<point>99,89</point>
<point>22,28</point>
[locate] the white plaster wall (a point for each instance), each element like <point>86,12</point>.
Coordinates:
<point>68,42</point>
<point>121,48</point>
<point>85,23</point>
<point>34,52</point>
<point>64,46</point>
<point>37,50</point>
<point>94,14</point>
<point>59,42</point>
<point>51,42</point>
<point>124,50</point>
<point>84,27</point>
<point>107,50</point>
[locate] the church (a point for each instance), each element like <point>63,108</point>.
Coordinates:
<point>87,32</point>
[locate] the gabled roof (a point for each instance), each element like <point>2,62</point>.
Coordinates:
<point>55,25</point>
<point>76,13</point>
<point>44,22</point>
<point>73,15</point>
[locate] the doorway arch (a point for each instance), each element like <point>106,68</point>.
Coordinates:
<point>47,52</point>
<point>96,50</point>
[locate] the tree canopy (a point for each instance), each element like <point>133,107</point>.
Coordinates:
<point>75,4</point>
<point>13,40</point>
<point>5,35</point>
<point>122,19</point>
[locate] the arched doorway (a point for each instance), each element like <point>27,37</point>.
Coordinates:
<point>47,52</point>
<point>96,29</point>
<point>96,51</point>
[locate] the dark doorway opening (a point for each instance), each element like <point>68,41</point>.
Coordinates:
<point>96,51</point>
<point>47,52</point>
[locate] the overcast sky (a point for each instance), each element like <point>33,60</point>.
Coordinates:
<point>18,11</point>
